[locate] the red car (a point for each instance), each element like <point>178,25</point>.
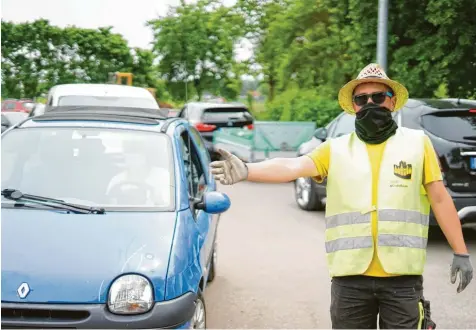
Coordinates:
<point>17,105</point>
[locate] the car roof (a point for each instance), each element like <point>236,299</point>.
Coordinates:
<point>110,117</point>
<point>100,90</point>
<point>441,104</point>
<point>204,105</point>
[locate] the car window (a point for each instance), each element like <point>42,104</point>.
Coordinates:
<point>111,168</point>
<point>331,126</point>
<point>194,112</point>
<point>194,172</point>
<point>345,125</point>
<point>10,105</point>
<point>183,113</point>
<point>225,114</point>
<point>79,100</point>
<point>201,145</point>
<point>451,125</point>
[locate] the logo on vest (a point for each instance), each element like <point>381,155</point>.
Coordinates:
<point>403,170</point>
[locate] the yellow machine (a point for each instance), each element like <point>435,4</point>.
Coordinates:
<point>125,78</point>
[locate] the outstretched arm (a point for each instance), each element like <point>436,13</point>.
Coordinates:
<point>279,170</point>
<point>231,169</point>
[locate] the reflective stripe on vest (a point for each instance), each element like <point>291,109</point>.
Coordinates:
<point>402,208</point>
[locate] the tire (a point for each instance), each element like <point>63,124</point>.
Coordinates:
<point>213,264</point>
<point>306,195</point>
<point>199,318</point>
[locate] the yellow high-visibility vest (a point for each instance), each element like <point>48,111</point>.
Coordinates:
<point>403,206</point>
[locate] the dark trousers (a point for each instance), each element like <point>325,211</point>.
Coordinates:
<point>357,302</point>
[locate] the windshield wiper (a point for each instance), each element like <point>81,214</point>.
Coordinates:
<point>17,195</point>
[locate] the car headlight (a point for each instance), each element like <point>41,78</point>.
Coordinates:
<point>130,294</point>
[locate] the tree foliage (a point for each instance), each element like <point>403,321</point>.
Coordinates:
<point>195,42</point>
<point>37,56</point>
<point>305,50</point>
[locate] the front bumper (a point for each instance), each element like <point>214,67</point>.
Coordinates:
<point>467,214</point>
<point>169,314</point>
<point>466,207</point>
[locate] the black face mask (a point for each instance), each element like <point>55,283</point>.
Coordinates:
<point>374,124</point>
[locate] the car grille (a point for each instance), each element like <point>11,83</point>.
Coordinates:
<point>51,315</point>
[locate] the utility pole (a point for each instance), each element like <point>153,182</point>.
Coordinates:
<point>186,90</point>
<point>382,33</point>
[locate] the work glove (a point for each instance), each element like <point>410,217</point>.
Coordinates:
<point>462,265</point>
<point>230,170</point>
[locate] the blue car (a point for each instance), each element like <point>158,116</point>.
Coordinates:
<point>109,220</point>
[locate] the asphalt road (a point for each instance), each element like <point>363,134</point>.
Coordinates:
<point>272,270</point>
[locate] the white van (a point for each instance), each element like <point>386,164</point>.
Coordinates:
<point>100,95</point>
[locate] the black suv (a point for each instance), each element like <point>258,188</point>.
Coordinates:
<point>451,126</point>
<point>208,117</point>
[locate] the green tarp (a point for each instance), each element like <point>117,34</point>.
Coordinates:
<point>265,137</point>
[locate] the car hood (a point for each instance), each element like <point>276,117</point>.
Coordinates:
<point>75,258</point>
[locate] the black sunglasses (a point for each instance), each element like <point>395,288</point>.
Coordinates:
<point>377,98</point>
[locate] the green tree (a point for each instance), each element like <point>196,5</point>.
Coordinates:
<point>37,56</point>
<point>143,68</point>
<point>196,42</point>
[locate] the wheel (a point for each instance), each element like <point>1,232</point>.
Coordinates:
<point>199,318</point>
<point>213,264</point>
<point>306,195</point>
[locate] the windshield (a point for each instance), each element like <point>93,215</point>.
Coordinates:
<point>451,126</point>
<point>110,168</point>
<point>225,114</point>
<point>129,102</point>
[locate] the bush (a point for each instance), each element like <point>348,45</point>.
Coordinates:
<point>302,105</point>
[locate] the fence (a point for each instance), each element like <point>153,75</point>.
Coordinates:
<point>266,140</point>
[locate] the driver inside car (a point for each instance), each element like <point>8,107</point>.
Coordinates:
<point>142,182</point>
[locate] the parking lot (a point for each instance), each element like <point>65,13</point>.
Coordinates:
<point>272,271</point>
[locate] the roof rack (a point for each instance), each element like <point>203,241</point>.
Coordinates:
<point>108,113</point>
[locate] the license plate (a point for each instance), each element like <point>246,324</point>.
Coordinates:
<point>473,163</point>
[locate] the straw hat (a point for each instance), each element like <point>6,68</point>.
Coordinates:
<point>371,73</point>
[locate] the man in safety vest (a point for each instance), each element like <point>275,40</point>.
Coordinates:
<point>381,181</point>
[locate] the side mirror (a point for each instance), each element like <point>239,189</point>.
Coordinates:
<point>321,133</point>
<point>214,202</point>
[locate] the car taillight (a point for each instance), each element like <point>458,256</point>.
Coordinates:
<point>472,110</point>
<point>250,126</point>
<point>201,127</point>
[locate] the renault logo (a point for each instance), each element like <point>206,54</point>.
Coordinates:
<point>23,290</point>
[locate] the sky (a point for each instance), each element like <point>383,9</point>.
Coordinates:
<point>128,20</point>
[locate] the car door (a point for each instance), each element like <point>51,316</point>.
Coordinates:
<point>198,183</point>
